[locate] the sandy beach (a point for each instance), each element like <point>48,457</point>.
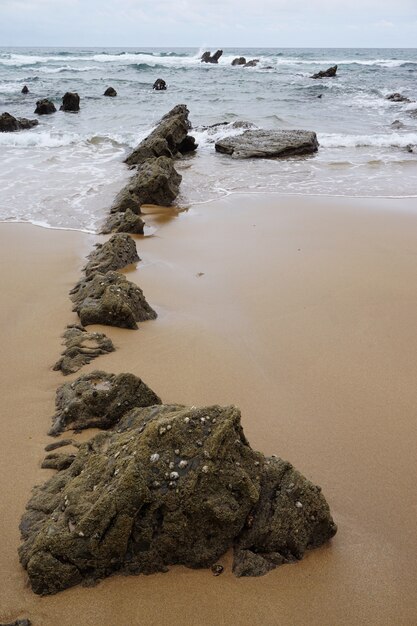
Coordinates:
<point>299,310</point>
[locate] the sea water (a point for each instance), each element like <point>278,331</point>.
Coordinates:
<point>66,172</point>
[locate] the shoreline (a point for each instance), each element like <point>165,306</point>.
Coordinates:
<point>292,318</point>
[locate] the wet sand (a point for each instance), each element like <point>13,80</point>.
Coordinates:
<point>302,312</point>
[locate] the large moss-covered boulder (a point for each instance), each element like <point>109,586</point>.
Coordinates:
<point>119,251</point>
<point>156,182</point>
<point>99,400</point>
<point>112,300</point>
<point>173,485</point>
<point>124,222</point>
<point>81,347</point>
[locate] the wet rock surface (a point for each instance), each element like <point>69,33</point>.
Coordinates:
<point>207,57</point>
<point>45,107</point>
<point>252,63</point>
<point>119,251</point>
<point>70,102</point>
<point>10,124</point>
<point>99,400</point>
<point>173,485</point>
<point>329,73</point>
<point>290,517</point>
<point>110,92</point>
<point>239,61</point>
<point>124,222</point>
<point>112,300</point>
<point>81,347</point>
<point>25,89</point>
<point>398,97</point>
<point>57,461</point>
<point>159,85</point>
<point>268,143</point>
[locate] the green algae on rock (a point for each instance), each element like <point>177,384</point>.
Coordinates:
<point>124,222</point>
<point>99,400</point>
<point>119,251</point>
<point>112,300</point>
<point>173,485</point>
<point>81,347</point>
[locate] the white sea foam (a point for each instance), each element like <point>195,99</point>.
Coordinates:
<point>42,139</point>
<point>386,140</point>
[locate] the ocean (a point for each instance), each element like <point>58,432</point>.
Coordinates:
<point>66,172</point>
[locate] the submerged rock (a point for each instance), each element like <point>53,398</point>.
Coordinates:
<point>397,124</point>
<point>112,300</point>
<point>119,251</point>
<point>112,93</point>
<point>239,61</point>
<point>252,63</point>
<point>156,182</point>
<point>173,485</point>
<point>45,107</point>
<point>70,102</point>
<point>124,222</point>
<point>99,400</point>
<point>268,144</point>
<point>329,73</point>
<point>81,348</point>
<point>290,517</point>
<point>25,89</point>
<point>207,57</point>
<point>10,124</point>
<point>159,85</point>
<point>398,97</point>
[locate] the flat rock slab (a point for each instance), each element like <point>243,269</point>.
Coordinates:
<point>81,347</point>
<point>99,400</point>
<point>269,144</point>
<point>173,485</point>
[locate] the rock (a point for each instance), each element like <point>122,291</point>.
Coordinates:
<point>410,147</point>
<point>45,107</point>
<point>208,58</point>
<point>9,124</point>
<point>397,124</point>
<point>25,90</point>
<point>59,444</point>
<point>19,622</point>
<point>268,144</point>
<point>57,461</point>
<point>252,63</point>
<point>173,485</point>
<point>330,73</point>
<point>81,348</point>
<point>187,145</point>
<point>125,222</point>
<point>165,140</point>
<point>156,182</point>
<point>112,93</point>
<point>112,300</point>
<point>397,97</point>
<point>119,251</point>
<point>239,61</point>
<point>70,102</point>
<point>99,400</point>
<point>159,85</point>
<point>290,517</point>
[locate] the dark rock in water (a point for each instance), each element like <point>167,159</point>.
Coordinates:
<point>156,182</point>
<point>330,73</point>
<point>25,89</point>
<point>112,300</point>
<point>159,85</point>
<point>397,124</point>
<point>81,348</point>
<point>112,93</point>
<point>188,145</point>
<point>165,139</point>
<point>320,95</point>
<point>173,485</point>
<point>70,102</point>
<point>45,107</point>
<point>252,63</point>
<point>10,124</point>
<point>290,517</point>
<point>268,144</point>
<point>208,58</point>
<point>99,400</point>
<point>119,251</point>
<point>239,61</point>
<point>19,622</point>
<point>57,461</point>
<point>231,125</point>
<point>410,147</point>
<point>397,97</point>
<point>125,222</point>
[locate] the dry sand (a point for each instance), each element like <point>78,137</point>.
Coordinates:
<point>303,313</point>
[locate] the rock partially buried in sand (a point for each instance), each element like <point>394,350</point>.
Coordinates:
<point>19,622</point>
<point>159,85</point>
<point>70,102</point>
<point>112,300</point>
<point>112,93</point>
<point>329,73</point>
<point>119,251</point>
<point>45,107</point>
<point>81,348</point>
<point>207,57</point>
<point>10,124</point>
<point>268,144</point>
<point>174,485</point>
<point>124,222</point>
<point>99,400</point>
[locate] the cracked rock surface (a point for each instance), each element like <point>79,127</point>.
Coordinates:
<point>81,347</point>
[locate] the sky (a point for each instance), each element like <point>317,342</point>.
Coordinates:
<point>209,23</point>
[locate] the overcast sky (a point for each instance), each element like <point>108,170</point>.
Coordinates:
<point>209,23</point>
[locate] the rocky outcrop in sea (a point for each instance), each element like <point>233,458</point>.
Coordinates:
<point>10,124</point>
<point>268,144</point>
